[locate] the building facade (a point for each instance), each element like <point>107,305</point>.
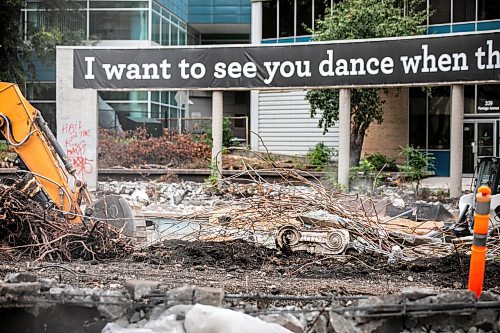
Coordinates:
<point>142,23</point>
<point>408,112</point>
<point>281,118</point>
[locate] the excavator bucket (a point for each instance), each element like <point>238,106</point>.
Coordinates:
<point>116,211</point>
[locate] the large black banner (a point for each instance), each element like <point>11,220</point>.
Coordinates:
<point>420,60</point>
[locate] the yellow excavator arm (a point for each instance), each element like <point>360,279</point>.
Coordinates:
<point>24,128</point>
<point>42,157</point>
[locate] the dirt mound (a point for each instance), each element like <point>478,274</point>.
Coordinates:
<point>448,272</point>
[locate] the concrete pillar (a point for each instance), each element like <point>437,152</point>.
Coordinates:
<point>256,38</point>
<point>344,136</point>
<point>256,27</point>
<point>76,119</point>
<point>456,140</point>
<point>217,121</point>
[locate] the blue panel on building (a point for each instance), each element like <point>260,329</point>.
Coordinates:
<point>201,3</point>
<point>227,3</point>
<point>226,10</point>
<point>226,19</point>
<point>439,29</point>
<point>178,7</point>
<point>442,163</point>
<point>303,39</point>
<point>201,10</point>
<point>491,25</point>
<point>463,27</point>
<point>201,18</point>
<point>219,11</point>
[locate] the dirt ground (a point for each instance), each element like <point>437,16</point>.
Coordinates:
<point>241,267</point>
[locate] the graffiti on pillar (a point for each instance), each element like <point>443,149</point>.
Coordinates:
<point>75,137</point>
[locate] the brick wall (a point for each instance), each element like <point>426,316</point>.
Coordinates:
<point>387,137</point>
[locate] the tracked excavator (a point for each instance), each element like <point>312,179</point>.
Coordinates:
<point>46,175</point>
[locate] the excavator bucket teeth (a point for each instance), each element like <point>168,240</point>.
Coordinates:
<point>116,211</point>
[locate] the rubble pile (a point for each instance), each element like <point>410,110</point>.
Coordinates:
<point>27,229</point>
<point>145,308</point>
<point>164,199</point>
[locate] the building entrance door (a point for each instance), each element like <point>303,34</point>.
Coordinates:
<point>479,140</point>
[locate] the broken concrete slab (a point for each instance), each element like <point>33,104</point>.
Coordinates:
<point>138,288</point>
<point>286,320</point>
<point>20,277</point>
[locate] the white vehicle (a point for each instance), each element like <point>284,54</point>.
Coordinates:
<point>487,173</point>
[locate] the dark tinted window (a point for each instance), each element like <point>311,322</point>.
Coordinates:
<point>488,9</point>
<point>440,10</point>
<point>439,118</point>
<point>418,119</point>
<point>269,22</point>
<point>464,10</point>
<point>286,18</point>
<point>304,17</point>
<point>488,98</point>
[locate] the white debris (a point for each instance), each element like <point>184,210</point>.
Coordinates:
<point>206,318</point>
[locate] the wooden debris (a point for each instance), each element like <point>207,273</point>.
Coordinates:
<point>26,228</point>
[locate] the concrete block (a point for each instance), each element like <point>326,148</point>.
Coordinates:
<point>181,295</point>
<point>286,320</point>
<point>20,277</point>
<point>19,289</point>
<point>340,324</point>
<point>209,296</point>
<point>139,288</point>
<point>414,293</point>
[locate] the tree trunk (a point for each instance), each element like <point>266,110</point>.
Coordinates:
<point>357,139</point>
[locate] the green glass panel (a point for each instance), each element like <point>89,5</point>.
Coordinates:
<point>118,4</point>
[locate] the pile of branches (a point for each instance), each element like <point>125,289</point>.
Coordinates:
<point>27,229</point>
<point>133,149</point>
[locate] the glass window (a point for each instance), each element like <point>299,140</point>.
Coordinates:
<point>320,7</point>
<point>48,111</point>
<point>164,97</point>
<point>269,19</point>
<point>440,11</point>
<point>41,91</point>
<point>488,98</point>
<point>165,32</point>
<point>118,4</point>
<point>488,9</point>
<point>156,28</point>
<point>439,118</point>
<point>304,17</point>
<point>182,37</point>
<point>464,10</point>
<point>137,110</point>
<point>469,99</point>
<point>172,98</point>
<point>286,18</point>
<point>119,25</point>
<point>174,38</point>
<point>155,110</point>
<point>155,96</point>
<point>417,118</point>
<point>67,21</point>
<point>124,95</point>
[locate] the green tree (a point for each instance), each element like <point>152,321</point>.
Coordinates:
<point>12,47</point>
<point>55,26</point>
<point>362,19</point>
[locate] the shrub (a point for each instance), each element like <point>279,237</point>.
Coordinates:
<point>227,134</point>
<point>417,163</point>
<point>320,155</point>
<point>381,161</point>
<point>134,148</point>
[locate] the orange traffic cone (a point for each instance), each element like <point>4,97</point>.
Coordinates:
<point>478,255</point>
